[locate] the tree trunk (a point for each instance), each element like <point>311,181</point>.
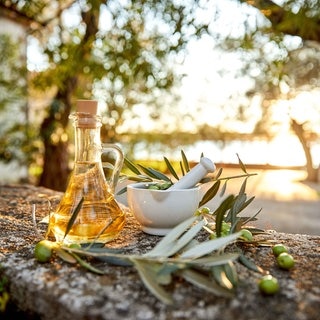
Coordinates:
<point>55,167</point>
<point>312,173</point>
<point>55,160</point>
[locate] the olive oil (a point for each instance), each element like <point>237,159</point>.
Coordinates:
<point>98,216</point>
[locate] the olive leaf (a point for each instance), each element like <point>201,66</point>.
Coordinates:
<point>186,238</point>
<point>182,168</point>
<point>87,265</point>
<point>154,173</point>
<point>140,178</point>
<point>221,211</point>
<point>131,166</point>
<point>223,189</point>
<point>94,243</point>
<point>204,282</point>
<point>166,271</point>
<point>73,217</point>
<point>170,168</point>
<point>242,166</point>
<point>250,264</point>
<point>220,276</point>
<point>148,276</point>
<point>226,275</point>
<point>210,193</point>
<point>113,258</point>
<point>253,218</point>
<point>207,247</point>
<point>122,191</point>
<point>219,172</point>
<point>231,273</point>
<point>66,256</point>
<point>238,205</point>
<point>162,248</point>
<point>243,187</point>
<point>185,161</point>
<point>215,260</point>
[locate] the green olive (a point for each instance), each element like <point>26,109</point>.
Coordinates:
<point>285,260</point>
<point>246,235</point>
<point>268,285</point>
<point>164,185</point>
<point>43,250</point>
<point>278,249</point>
<point>213,236</point>
<point>153,187</point>
<point>205,210</point>
<point>74,246</point>
<point>225,227</point>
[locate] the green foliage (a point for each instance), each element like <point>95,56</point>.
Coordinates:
<point>282,42</point>
<point>121,54</point>
<point>129,61</point>
<point>126,61</point>
<point>154,175</point>
<point>275,47</point>
<point>16,138</point>
<point>12,73</point>
<point>281,26</point>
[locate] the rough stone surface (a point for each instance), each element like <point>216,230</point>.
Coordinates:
<point>58,290</point>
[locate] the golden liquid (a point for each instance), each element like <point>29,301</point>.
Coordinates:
<point>100,218</point>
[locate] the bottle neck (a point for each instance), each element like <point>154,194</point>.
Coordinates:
<point>87,138</point>
<point>87,144</point>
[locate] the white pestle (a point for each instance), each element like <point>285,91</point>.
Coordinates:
<point>194,175</point>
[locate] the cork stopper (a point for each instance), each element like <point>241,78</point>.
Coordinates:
<point>87,111</point>
<point>87,106</point>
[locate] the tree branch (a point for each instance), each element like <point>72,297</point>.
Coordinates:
<point>27,17</point>
<point>285,21</point>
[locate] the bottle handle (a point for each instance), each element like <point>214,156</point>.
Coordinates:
<point>113,164</point>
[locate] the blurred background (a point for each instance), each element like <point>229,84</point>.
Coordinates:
<point>219,77</point>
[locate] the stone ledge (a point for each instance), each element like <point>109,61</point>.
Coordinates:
<point>57,290</point>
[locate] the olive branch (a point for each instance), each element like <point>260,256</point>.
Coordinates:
<point>162,181</point>
<point>178,254</point>
<point>206,264</point>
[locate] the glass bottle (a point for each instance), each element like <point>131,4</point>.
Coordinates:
<point>99,217</point>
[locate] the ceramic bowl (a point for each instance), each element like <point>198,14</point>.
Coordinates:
<point>158,211</point>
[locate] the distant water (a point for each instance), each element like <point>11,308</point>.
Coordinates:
<point>286,153</point>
